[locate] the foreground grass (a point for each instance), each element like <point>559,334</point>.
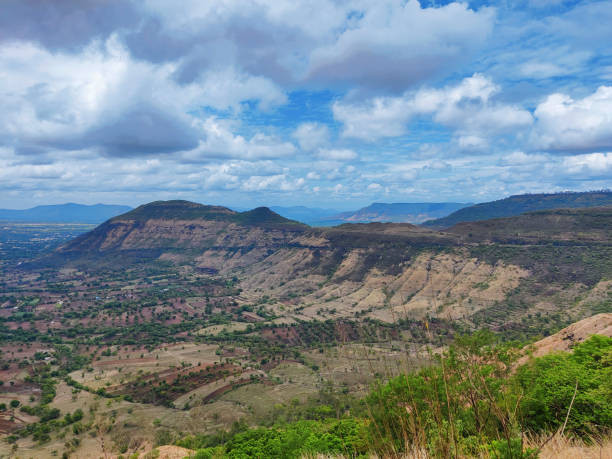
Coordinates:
<point>474,403</point>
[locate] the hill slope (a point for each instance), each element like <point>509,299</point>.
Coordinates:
<point>492,272</point>
<point>516,205</point>
<point>64,213</point>
<point>592,224</point>
<point>599,324</point>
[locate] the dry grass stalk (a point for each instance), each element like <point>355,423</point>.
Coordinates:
<point>564,447</point>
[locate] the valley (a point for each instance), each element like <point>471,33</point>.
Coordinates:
<point>178,320</point>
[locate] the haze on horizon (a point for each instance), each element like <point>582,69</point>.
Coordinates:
<point>324,103</point>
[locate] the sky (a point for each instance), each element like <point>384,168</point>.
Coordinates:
<point>323,103</point>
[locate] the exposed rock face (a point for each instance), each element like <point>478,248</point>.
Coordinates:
<point>181,231</point>
<point>481,272</point>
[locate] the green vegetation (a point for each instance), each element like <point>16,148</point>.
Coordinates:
<point>472,402</point>
<point>549,383</point>
<point>516,205</point>
<point>293,441</point>
<point>186,210</point>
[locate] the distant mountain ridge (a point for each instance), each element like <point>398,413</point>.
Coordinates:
<point>401,212</point>
<point>64,213</point>
<point>308,215</point>
<point>519,204</point>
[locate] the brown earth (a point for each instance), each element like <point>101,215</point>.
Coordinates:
<point>564,340</point>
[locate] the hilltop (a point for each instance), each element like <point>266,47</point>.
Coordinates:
<point>406,212</point>
<point>578,332</point>
<point>186,210</point>
<point>518,204</point>
<point>179,229</point>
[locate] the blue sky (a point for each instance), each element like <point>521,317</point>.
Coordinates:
<point>322,103</point>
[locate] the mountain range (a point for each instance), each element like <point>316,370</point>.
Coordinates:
<point>406,212</point>
<point>518,204</point>
<point>381,270</point>
<point>64,213</point>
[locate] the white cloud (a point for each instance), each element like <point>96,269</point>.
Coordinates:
<point>377,118</point>
<point>520,158</point>
<point>387,44</point>
<point>221,142</point>
<point>311,135</point>
<point>273,182</point>
<point>227,88</point>
<point>337,154</point>
<point>467,107</point>
<point>567,124</point>
<point>102,98</point>
<point>592,164</point>
<point>394,44</point>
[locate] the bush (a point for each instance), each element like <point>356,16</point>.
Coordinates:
<point>289,441</point>
<point>467,404</point>
<point>549,383</point>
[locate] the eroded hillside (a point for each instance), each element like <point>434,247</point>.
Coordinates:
<point>511,274</point>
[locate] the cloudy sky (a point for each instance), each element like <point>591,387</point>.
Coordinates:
<point>327,103</point>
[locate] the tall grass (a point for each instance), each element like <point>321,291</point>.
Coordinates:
<point>475,402</point>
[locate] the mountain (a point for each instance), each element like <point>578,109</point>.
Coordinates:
<point>518,204</point>
<point>175,229</point>
<point>475,271</point>
<point>64,213</point>
<point>308,215</point>
<point>409,212</point>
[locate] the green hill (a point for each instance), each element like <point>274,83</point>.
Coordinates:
<point>519,204</point>
<point>186,210</point>
<point>592,224</point>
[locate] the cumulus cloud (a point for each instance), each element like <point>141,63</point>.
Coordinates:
<point>387,44</point>
<point>565,124</point>
<point>311,135</point>
<point>246,99</point>
<point>374,119</point>
<point>394,44</point>
<point>589,165</point>
<point>467,107</point>
<point>67,25</point>
<point>221,142</point>
<point>99,98</point>
<point>273,182</point>
<point>102,98</point>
